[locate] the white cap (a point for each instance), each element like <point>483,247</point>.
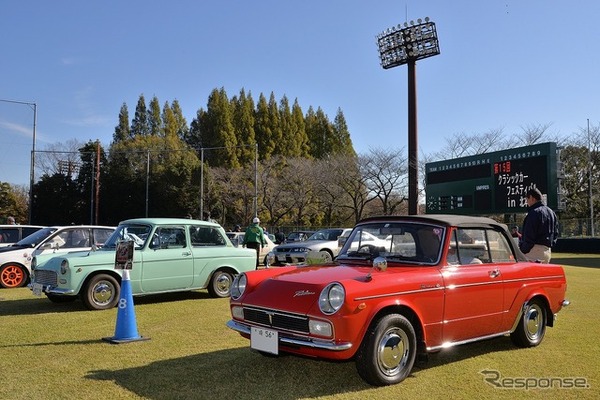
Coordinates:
<point>255,220</point>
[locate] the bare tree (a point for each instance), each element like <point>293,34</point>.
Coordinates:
<point>63,158</point>
<point>386,173</point>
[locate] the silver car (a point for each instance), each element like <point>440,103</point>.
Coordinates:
<point>324,242</point>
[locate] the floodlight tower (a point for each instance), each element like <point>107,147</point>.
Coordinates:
<point>405,45</point>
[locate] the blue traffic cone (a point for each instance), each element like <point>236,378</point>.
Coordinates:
<point>126,329</point>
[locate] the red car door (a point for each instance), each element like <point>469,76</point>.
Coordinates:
<point>474,289</point>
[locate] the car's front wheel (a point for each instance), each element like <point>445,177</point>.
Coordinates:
<point>532,325</point>
<point>220,284</point>
<point>388,351</point>
<point>101,292</point>
<point>12,276</point>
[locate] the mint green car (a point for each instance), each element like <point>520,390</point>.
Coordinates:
<point>170,255</point>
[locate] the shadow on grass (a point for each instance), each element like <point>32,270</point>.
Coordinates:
<point>41,305</point>
<point>245,374</point>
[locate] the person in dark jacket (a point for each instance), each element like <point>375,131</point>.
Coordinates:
<point>540,229</point>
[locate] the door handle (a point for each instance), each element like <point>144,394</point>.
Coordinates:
<point>494,273</point>
<point>186,253</point>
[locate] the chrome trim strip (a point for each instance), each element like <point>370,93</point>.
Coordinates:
<point>452,344</point>
<point>496,282</point>
<point>308,342</point>
<point>537,278</point>
<point>399,293</point>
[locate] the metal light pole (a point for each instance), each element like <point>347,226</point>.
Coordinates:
<point>405,45</point>
<point>31,168</point>
<point>590,179</point>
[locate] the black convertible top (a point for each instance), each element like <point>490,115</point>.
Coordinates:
<point>445,219</point>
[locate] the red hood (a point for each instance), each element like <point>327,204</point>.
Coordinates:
<point>298,290</point>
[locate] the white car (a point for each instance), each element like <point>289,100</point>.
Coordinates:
<point>15,260</point>
<point>323,243</point>
<point>237,239</point>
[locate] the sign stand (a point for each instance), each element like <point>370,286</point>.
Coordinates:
<point>126,327</point>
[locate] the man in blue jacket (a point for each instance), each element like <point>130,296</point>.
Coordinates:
<point>540,228</point>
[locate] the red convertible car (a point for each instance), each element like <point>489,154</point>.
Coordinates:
<point>432,281</point>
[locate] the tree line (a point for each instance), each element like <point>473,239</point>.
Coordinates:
<point>305,168</point>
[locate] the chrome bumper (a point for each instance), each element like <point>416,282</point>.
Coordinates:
<point>300,342</point>
<point>49,289</point>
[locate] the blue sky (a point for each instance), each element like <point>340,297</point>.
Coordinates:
<point>503,65</point>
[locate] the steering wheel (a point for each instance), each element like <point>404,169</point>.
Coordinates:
<point>368,249</point>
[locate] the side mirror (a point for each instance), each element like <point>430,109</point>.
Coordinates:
<point>379,265</point>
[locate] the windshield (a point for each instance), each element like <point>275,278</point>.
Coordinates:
<point>137,233</point>
<point>401,241</point>
<point>36,238</point>
<point>326,234</point>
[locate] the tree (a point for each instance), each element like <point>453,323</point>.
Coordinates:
<point>217,132</point>
<point>341,141</point>
<point>243,126</point>
<point>122,129</point>
<point>263,129</point>
<point>386,175</point>
<point>320,133</point>
<point>140,125</point>
<point>182,125</point>
<point>155,122</point>
<point>60,158</point>
<point>13,203</point>
<point>92,174</point>
<point>57,201</point>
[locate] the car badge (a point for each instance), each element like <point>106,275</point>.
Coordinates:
<point>303,293</point>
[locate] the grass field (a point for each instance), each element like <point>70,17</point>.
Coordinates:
<point>56,351</point>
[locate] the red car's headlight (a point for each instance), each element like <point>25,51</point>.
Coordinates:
<point>332,298</point>
<point>238,286</point>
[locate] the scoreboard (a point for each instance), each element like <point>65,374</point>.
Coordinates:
<point>493,183</point>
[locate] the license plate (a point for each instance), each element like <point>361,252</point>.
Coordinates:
<point>37,289</point>
<point>264,340</point>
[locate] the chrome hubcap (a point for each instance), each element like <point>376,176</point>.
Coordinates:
<point>533,322</point>
<point>103,293</point>
<point>393,351</point>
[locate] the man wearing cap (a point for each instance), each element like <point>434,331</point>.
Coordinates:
<point>254,238</point>
<point>540,228</point>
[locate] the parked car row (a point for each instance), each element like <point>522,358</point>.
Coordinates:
<point>399,288</point>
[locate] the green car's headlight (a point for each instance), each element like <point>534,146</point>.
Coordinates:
<point>332,298</point>
<point>238,286</point>
<point>64,266</point>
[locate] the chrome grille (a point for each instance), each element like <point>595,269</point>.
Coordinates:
<point>276,319</point>
<point>45,277</point>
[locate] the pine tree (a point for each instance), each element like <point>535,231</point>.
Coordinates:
<point>243,123</point>
<point>154,118</point>
<point>342,143</point>
<point>139,124</point>
<point>262,129</point>
<point>122,129</point>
